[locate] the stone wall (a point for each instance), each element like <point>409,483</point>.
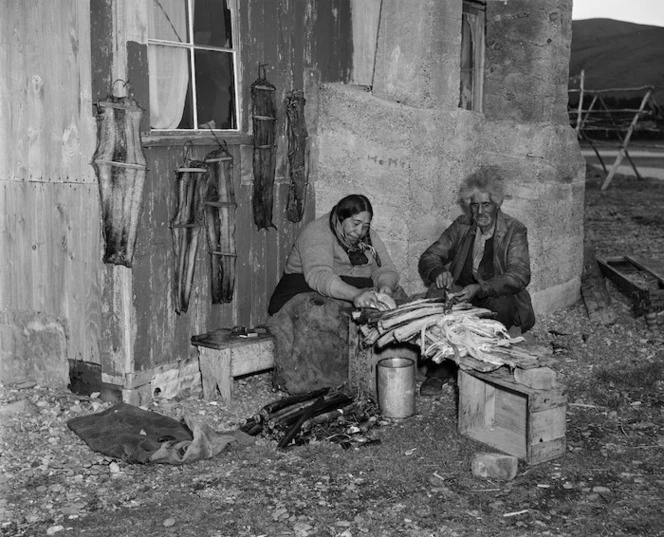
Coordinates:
<point>407,145</point>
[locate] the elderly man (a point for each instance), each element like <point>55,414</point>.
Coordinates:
<point>484,255</point>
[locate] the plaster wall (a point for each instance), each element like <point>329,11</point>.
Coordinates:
<point>407,145</point>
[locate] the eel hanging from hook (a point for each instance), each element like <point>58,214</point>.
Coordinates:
<point>121,168</point>
<point>297,151</point>
<point>190,183</point>
<point>264,118</point>
<point>220,208</point>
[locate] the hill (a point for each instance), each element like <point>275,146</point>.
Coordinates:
<point>617,54</point>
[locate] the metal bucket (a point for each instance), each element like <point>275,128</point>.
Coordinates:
<point>396,387</point>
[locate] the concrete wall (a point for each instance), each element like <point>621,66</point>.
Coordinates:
<point>407,145</point>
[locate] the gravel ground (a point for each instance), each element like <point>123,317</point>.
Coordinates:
<point>417,482</point>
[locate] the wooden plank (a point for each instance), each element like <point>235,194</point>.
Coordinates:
<point>216,373</point>
<point>652,266</point>
<point>252,357</point>
<point>546,451</point>
<point>625,142</point>
<point>546,425</point>
<point>212,342</point>
<point>472,408</point>
<point>595,295</point>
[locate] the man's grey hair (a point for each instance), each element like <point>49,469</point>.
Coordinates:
<point>488,180</point>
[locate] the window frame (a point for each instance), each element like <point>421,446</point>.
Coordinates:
<point>477,8</point>
<point>191,49</point>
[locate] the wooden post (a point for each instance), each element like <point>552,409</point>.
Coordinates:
<point>579,120</point>
<point>623,148</point>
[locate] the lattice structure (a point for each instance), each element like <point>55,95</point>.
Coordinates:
<point>593,117</point>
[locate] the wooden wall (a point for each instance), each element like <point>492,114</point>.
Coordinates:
<point>49,209</point>
<point>59,58</point>
<point>301,43</point>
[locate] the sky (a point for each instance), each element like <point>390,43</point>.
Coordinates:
<point>649,12</point>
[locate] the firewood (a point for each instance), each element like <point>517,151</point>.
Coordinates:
<point>325,417</point>
<point>329,402</point>
<point>277,405</point>
<point>288,411</point>
<point>290,434</point>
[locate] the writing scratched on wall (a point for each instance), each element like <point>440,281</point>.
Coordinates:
<point>388,162</point>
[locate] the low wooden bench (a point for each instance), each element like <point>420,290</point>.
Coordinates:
<point>222,359</point>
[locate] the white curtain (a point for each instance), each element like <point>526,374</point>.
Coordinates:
<point>169,72</point>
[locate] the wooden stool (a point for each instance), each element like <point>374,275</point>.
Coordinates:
<point>221,361</point>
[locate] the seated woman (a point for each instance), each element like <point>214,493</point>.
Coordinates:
<point>337,261</point>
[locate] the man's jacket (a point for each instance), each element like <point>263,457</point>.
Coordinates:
<point>511,260</point>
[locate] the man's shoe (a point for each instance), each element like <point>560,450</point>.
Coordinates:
<point>432,386</point>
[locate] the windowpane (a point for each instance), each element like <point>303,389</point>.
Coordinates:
<point>212,23</point>
<point>169,78</point>
<point>214,90</point>
<point>168,20</point>
<point>466,92</point>
<point>472,55</point>
<point>187,121</point>
<point>192,79</point>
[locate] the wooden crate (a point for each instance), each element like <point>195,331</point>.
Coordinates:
<point>641,280</point>
<point>527,423</point>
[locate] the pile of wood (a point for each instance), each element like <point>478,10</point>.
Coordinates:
<point>323,414</point>
<point>464,333</point>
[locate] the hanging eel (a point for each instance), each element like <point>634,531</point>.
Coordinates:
<point>220,224</point>
<point>297,149</point>
<point>264,118</point>
<point>120,166</point>
<point>190,182</point>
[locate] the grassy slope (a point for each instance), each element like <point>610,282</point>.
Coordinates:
<point>618,54</point>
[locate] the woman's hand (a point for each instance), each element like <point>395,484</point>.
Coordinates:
<point>366,298</point>
<point>386,290</point>
<point>370,299</point>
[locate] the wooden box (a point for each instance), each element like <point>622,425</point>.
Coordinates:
<point>641,280</point>
<point>524,422</point>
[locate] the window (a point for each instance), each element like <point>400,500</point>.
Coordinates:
<point>192,61</point>
<point>472,55</point>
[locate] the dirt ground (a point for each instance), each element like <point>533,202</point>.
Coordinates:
<point>416,481</point>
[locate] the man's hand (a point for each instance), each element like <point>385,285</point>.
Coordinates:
<point>444,280</point>
<point>468,293</point>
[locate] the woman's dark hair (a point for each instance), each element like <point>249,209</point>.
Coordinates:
<point>352,205</point>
